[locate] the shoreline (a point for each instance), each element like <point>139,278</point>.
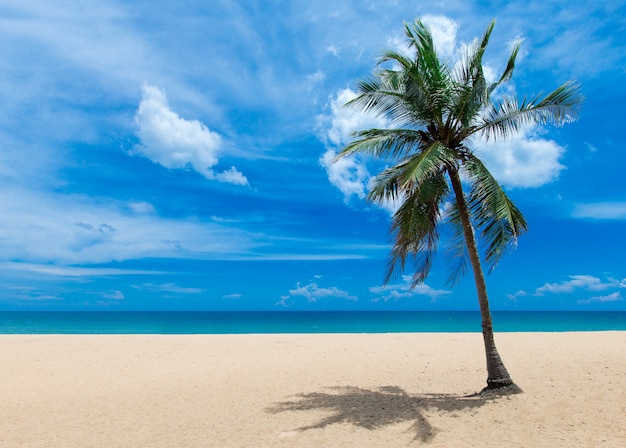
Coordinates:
<point>292,390</point>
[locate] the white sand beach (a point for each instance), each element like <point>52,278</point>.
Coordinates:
<point>323,390</point>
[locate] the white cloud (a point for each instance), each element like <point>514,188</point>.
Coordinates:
<point>348,174</point>
<point>400,45</point>
<point>315,79</point>
<point>95,38</point>
<point>615,297</point>
<point>70,271</point>
<point>444,32</point>
<point>52,229</point>
<point>403,290</point>
<point>333,50</point>
<point>513,297</point>
<point>344,121</point>
<point>585,282</point>
<point>313,293</point>
<point>601,210</point>
<point>392,206</point>
<point>40,298</point>
<point>141,207</point>
<point>489,72</point>
<point>524,160</point>
<point>576,283</point>
<point>175,143</point>
<point>232,296</point>
<point>114,295</point>
<point>232,176</point>
<point>169,288</point>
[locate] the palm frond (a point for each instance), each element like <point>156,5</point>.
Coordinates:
<point>415,228</point>
<point>384,143</point>
<point>428,78</point>
<point>421,39</point>
<point>378,98</point>
<point>416,172</point>
<point>433,158</point>
<point>387,186</point>
<point>471,90</point>
<point>509,116</point>
<point>498,219</point>
<point>386,96</point>
<point>395,56</point>
<point>510,66</point>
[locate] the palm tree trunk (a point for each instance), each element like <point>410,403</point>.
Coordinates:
<point>498,379</point>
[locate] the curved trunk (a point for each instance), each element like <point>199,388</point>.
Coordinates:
<point>497,376</point>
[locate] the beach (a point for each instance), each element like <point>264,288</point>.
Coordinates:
<point>304,390</point>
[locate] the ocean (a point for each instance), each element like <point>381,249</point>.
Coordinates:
<point>208,322</point>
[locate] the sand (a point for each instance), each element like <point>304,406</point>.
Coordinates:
<point>387,390</point>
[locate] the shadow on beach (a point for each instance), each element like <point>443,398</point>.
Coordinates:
<point>372,409</point>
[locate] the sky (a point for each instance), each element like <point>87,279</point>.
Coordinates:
<point>177,155</point>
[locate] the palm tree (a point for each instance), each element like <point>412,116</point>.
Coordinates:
<point>436,113</point>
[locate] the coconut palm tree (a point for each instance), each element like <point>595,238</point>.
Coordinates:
<point>437,113</point>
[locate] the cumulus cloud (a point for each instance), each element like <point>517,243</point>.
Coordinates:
<point>577,284</point>
<point>585,282</point>
<point>601,210</point>
<point>232,176</point>
<point>349,175</point>
<point>444,32</point>
<point>404,290</point>
<point>344,121</point>
<point>313,294</point>
<point>524,160</point>
<point>513,296</point>
<point>175,143</point>
<point>615,297</point>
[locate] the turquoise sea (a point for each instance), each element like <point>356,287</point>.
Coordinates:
<point>206,322</point>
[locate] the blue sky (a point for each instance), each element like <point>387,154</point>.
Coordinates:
<point>175,155</point>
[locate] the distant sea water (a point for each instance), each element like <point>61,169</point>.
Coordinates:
<point>207,322</point>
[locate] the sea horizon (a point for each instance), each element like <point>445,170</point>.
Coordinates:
<point>272,322</point>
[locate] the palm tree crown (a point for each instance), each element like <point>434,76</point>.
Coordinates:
<point>435,113</point>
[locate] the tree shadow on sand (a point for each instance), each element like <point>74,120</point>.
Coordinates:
<point>372,409</point>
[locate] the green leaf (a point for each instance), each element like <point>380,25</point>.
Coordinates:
<point>415,228</point>
<point>508,116</point>
<point>499,221</point>
<point>384,143</point>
